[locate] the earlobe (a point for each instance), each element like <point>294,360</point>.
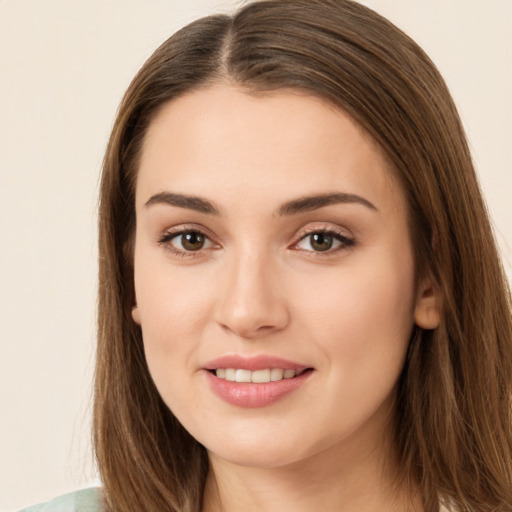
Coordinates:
<point>136,314</point>
<point>427,313</point>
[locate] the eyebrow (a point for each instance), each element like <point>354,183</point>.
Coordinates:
<point>309,203</point>
<point>197,204</point>
<point>303,204</point>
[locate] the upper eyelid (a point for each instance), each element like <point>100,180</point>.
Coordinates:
<point>323,228</point>
<point>186,228</point>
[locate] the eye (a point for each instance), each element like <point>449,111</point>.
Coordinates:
<point>324,241</point>
<point>183,242</point>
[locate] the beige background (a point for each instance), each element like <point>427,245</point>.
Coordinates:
<point>64,65</point>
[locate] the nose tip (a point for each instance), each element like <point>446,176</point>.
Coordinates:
<point>253,304</point>
<point>248,324</point>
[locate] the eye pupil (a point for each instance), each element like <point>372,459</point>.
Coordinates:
<point>321,241</point>
<point>193,241</point>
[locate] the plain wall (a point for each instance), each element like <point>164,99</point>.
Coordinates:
<point>64,65</point>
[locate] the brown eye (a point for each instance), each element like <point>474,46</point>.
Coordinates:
<point>186,242</point>
<point>324,241</point>
<point>321,241</point>
<point>192,241</point>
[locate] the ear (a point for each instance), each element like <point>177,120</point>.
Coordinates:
<point>427,313</point>
<point>136,314</point>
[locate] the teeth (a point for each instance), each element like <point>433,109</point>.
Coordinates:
<point>260,376</point>
<point>276,374</point>
<point>243,376</point>
<point>257,376</point>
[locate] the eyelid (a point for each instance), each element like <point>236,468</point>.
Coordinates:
<point>341,234</point>
<point>185,228</point>
<point>165,238</point>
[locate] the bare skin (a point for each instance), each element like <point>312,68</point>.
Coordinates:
<point>337,480</point>
<point>271,226</point>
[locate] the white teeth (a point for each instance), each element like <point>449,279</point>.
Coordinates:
<point>276,374</point>
<point>257,376</point>
<point>260,376</point>
<point>243,376</point>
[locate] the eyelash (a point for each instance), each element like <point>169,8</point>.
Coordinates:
<point>345,241</point>
<point>167,238</point>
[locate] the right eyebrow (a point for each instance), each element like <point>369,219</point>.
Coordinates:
<point>195,203</point>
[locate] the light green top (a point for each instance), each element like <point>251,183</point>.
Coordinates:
<point>86,500</point>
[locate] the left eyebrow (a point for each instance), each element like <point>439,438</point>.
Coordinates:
<point>309,203</point>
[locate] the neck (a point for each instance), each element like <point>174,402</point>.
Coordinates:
<point>337,480</point>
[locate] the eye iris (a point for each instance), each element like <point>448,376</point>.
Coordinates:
<point>192,241</point>
<point>321,241</point>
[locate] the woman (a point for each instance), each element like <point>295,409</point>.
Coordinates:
<point>301,302</point>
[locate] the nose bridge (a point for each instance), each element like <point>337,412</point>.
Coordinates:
<point>253,303</point>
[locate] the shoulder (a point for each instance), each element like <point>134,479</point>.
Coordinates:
<point>86,500</point>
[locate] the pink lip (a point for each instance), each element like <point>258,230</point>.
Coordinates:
<point>245,394</point>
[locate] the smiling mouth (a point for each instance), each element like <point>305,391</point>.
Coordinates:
<point>255,382</point>
<point>257,376</point>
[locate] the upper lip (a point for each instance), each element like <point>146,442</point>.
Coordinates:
<point>260,362</point>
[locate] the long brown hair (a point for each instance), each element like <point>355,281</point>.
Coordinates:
<point>453,414</point>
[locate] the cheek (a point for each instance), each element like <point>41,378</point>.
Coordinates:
<point>364,312</point>
<point>169,300</point>
<point>360,321</point>
<point>173,310</point>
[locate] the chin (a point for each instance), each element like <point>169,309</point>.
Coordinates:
<point>268,448</point>
<point>258,457</point>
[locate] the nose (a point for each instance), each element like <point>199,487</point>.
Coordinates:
<point>253,303</point>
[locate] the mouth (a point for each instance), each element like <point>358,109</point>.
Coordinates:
<point>257,381</point>
<point>262,376</point>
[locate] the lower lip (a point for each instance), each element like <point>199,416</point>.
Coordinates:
<point>246,394</point>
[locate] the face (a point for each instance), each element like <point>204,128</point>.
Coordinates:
<point>274,275</point>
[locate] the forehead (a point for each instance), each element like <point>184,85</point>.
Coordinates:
<point>285,143</point>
